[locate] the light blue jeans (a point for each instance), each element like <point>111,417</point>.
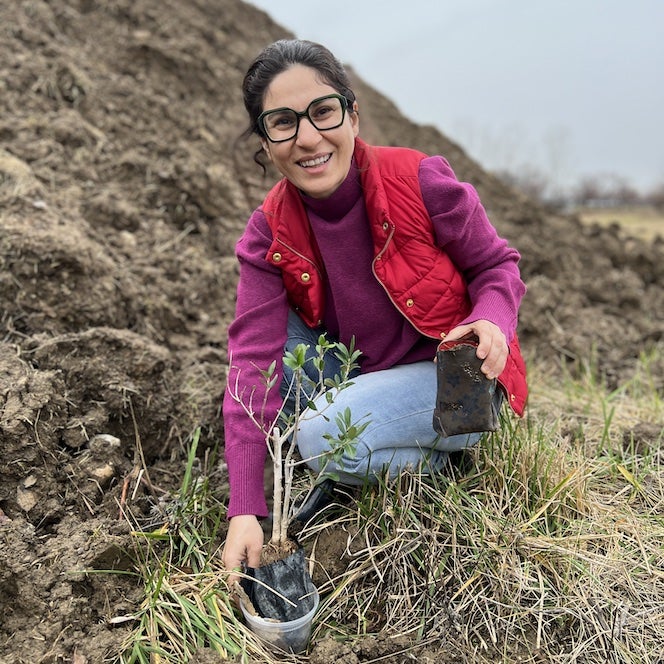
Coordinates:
<point>398,403</point>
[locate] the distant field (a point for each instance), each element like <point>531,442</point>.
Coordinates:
<point>642,222</point>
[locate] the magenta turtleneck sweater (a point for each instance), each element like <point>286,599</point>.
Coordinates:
<point>356,304</point>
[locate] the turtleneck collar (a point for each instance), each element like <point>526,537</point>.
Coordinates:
<point>340,202</point>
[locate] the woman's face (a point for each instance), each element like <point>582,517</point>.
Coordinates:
<point>316,162</point>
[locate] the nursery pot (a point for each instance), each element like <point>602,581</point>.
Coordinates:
<point>289,635</point>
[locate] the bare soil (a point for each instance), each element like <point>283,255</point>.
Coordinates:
<point>122,193</point>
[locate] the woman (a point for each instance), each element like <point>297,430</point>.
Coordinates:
<point>381,244</point>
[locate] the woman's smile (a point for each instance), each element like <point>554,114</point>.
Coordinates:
<point>315,161</point>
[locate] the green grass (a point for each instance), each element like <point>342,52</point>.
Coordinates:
<point>549,548</point>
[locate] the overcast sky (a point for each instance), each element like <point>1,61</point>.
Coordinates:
<point>573,87</point>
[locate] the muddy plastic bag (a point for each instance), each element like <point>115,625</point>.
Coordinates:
<point>290,578</point>
<point>465,396</point>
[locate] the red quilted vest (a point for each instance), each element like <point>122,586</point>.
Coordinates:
<point>420,279</point>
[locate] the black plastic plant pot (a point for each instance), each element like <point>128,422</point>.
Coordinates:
<point>280,602</point>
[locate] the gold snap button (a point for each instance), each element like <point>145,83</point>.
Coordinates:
<point>385,226</point>
<point>276,256</point>
<point>410,302</point>
<point>306,277</point>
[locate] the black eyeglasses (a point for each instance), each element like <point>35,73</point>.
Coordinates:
<point>324,113</point>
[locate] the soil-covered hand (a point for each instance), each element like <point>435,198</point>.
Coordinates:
<point>492,347</point>
<point>244,543</point>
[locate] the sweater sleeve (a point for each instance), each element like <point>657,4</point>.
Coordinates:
<point>256,338</point>
<point>463,230</point>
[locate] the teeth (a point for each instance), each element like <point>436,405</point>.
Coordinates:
<point>315,162</point>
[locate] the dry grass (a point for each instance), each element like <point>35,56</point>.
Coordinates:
<point>643,222</point>
<point>550,549</point>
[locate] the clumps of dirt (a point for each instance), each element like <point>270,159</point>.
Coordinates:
<point>385,649</point>
<point>122,192</point>
<point>51,603</point>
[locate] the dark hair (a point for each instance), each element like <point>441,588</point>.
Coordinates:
<point>277,58</point>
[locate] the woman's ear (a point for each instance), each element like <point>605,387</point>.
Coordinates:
<point>266,148</point>
<point>355,118</point>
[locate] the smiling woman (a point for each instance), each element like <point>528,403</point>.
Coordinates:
<point>381,249</point>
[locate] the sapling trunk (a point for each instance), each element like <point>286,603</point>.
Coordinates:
<point>277,517</point>
<point>289,472</point>
<point>284,472</point>
<point>283,469</point>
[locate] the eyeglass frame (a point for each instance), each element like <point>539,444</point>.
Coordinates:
<point>260,121</point>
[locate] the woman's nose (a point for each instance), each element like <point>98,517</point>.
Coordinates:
<point>307,133</point>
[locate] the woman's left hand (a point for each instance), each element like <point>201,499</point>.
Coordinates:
<point>492,347</point>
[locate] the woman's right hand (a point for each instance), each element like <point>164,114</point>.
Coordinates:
<point>244,543</point>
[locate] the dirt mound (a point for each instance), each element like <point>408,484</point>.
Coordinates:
<point>122,192</point>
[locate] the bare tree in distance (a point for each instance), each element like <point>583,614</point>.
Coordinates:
<point>609,191</point>
<point>656,197</point>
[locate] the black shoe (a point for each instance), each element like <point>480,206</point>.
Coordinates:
<point>461,462</point>
<point>323,494</point>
